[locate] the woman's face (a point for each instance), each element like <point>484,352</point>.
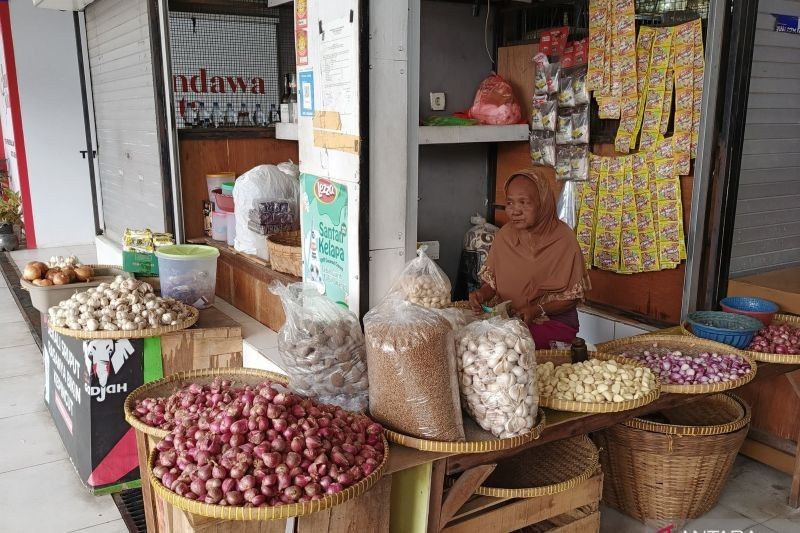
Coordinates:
<point>522,202</point>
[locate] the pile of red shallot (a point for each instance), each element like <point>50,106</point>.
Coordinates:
<point>777,338</point>
<point>676,368</point>
<point>264,447</point>
<point>182,407</point>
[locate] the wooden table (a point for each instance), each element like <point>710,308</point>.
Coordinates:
<point>475,468</point>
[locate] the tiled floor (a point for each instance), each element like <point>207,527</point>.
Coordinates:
<point>32,454</point>
<point>32,458</point>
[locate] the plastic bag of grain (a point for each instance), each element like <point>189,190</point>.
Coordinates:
<point>497,374</point>
<point>412,371</point>
<point>422,282</point>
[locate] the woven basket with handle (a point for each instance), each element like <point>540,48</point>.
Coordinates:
<point>672,466</point>
<point>286,253</point>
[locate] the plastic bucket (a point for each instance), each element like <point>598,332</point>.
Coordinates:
<point>215,181</point>
<point>219,225</point>
<point>188,273</point>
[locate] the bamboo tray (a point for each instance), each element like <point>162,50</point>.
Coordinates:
<point>779,358</point>
<point>543,471</point>
<point>687,345</point>
<point>710,416</point>
<point>133,334</point>
<point>278,512</point>
<point>166,386</point>
<point>477,439</point>
<point>560,357</point>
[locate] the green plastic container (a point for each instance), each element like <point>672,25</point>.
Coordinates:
<point>227,188</point>
<point>188,273</point>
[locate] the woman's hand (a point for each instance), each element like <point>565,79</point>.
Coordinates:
<point>531,314</point>
<point>480,296</point>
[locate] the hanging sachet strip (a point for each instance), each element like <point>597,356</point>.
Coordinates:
<point>598,33</point>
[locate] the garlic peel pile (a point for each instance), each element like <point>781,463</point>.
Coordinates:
<point>124,304</point>
<point>496,373</point>
<point>595,381</point>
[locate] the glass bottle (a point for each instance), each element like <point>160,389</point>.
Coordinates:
<point>243,120</point>
<point>215,121</point>
<point>201,118</point>
<point>230,117</point>
<point>274,115</point>
<point>579,350</point>
<point>258,116</point>
<point>292,87</point>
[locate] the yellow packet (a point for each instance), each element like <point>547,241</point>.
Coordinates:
<point>650,261</point>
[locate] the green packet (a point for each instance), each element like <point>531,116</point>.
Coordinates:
<point>450,121</point>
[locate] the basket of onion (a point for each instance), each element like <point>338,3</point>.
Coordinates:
<point>779,342</point>
<point>58,279</point>
<point>686,364</point>
<point>259,452</point>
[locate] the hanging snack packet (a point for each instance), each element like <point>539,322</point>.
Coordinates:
<point>580,126</point>
<point>543,148</point>
<point>563,162</point>
<point>579,163</point>
<point>540,86</point>
<point>564,128</point>
<point>579,87</point>
<point>543,116</point>
<point>553,78</point>
<point>566,94</point>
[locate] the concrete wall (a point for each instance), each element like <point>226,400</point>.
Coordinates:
<point>452,178</point>
<point>767,231</point>
<point>52,121</point>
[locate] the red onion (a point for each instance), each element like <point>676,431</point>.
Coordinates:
<point>234,497</point>
<point>333,488</point>
<point>676,368</point>
<point>293,493</point>
<point>228,485</point>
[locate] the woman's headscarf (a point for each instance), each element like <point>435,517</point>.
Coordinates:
<point>543,261</point>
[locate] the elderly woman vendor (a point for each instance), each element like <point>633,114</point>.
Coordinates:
<point>535,262</point>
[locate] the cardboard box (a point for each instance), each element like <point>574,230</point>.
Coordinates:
<point>140,263</point>
<point>780,286</point>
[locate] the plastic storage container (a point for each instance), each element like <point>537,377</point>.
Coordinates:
<point>227,187</point>
<point>223,202</point>
<point>215,181</point>
<point>231,233</point>
<point>758,308</point>
<point>188,273</point>
<point>43,298</point>
<point>219,226</point>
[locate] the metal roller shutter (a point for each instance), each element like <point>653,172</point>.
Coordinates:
<point>128,144</point>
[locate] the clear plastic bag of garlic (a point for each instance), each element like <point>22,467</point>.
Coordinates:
<point>423,283</point>
<point>496,365</point>
<point>595,381</point>
<point>125,304</point>
<point>321,347</point>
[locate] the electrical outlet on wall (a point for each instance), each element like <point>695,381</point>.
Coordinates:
<point>431,250</point>
<point>437,102</point>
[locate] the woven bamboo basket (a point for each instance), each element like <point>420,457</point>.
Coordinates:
<point>688,345</point>
<point>560,357</point>
<point>147,436</point>
<point>265,513</point>
<point>543,471</point>
<point>286,253</point>
<point>477,439</point>
<point>780,358</point>
<point>134,334</point>
<point>672,467</point>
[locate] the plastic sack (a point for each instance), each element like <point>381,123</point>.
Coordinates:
<point>567,205</point>
<point>290,169</point>
<point>263,182</point>
<point>497,373</point>
<point>412,371</point>
<point>423,283</point>
<point>495,103</point>
<point>321,347</point>
<point>480,236</point>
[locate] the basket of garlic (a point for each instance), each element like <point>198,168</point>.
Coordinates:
<point>603,384</point>
<point>126,308</point>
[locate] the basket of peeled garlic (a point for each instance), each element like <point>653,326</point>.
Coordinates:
<point>125,308</point>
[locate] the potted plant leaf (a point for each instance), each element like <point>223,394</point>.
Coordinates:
<point>10,220</point>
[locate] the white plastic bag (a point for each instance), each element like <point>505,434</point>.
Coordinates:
<point>422,282</point>
<point>497,374</point>
<point>259,183</point>
<point>321,347</point>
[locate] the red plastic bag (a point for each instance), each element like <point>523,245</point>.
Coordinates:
<point>495,103</point>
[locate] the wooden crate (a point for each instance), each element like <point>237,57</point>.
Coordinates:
<point>214,342</point>
<point>369,512</point>
<point>573,511</point>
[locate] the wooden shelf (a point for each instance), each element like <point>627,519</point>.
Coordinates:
<point>226,133</point>
<point>472,134</point>
<point>286,131</point>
